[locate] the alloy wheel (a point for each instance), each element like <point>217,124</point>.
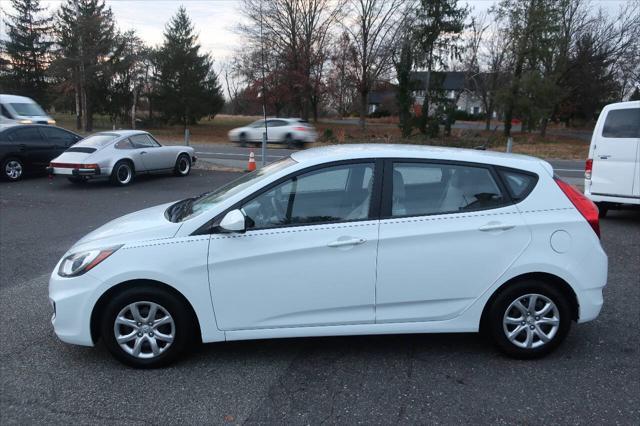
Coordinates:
<point>144,329</point>
<point>124,174</point>
<point>13,169</point>
<point>531,321</point>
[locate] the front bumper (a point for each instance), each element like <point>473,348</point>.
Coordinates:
<point>72,300</point>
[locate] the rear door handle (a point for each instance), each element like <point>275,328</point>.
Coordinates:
<point>496,226</point>
<point>349,242</point>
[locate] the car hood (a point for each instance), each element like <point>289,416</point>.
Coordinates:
<point>141,226</point>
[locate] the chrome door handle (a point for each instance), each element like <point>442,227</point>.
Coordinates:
<point>494,226</point>
<point>349,242</point>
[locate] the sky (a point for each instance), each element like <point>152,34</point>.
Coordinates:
<point>214,20</point>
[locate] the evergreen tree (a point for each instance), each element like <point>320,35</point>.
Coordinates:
<point>438,29</point>
<point>87,45</point>
<point>187,87</point>
<point>27,50</point>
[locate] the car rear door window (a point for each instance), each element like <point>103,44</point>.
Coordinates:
<point>622,123</point>
<point>58,137</point>
<point>27,135</point>
<point>332,194</point>
<point>431,188</point>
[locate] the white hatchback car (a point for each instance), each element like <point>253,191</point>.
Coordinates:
<point>293,132</point>
<point>360,239</point>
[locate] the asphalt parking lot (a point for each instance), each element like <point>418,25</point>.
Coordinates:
<point>593,378</point>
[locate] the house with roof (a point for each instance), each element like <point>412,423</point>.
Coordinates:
<point>455,87</point>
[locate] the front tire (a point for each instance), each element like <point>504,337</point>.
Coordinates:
<point>529,319</point>
<point>122,173</point>
<point>183,166</point>
<point>288,140</point>
<point>12,169</point>
<point>146,327</point>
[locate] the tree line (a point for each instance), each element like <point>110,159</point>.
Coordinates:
<point>534,60</point>
<point>76,59</point>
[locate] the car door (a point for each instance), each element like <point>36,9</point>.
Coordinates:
<point>31,146</point>
<point>308,257</point>
<point>151,153</point>
<point>448,232</point>
<point>276,130</point>
<point>615,154</point>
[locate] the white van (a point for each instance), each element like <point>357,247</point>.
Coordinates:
<point>612,171</point>
<point>22,110</point>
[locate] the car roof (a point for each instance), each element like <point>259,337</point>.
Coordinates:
<point>15,98</point>
<point>122,133</point>
<point>623,105</point>
<point>8,126</point>
<point>357,151</point>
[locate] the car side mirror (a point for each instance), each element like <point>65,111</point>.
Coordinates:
<point>234,221</point>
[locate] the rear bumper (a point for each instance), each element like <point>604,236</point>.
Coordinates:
<point>74,171</point>
<point>610,198</point>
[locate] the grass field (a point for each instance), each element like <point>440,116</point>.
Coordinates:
<point>379,131</point>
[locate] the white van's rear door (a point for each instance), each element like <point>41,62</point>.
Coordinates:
<point>615,155</point>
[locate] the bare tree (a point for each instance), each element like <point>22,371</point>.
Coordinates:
<point>297,32</point>
<point>373,27</point>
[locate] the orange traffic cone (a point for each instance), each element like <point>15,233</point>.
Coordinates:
<point>252,162</point>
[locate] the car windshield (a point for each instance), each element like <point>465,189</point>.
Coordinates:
<point>27,109</point>
<point>191,207</point>
<point>99,140</point>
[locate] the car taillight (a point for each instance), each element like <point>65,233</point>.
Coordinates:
<point>584,205</point>
<point>588,167</point>
<point>300,129</point>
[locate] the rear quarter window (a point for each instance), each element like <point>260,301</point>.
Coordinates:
<point>518,183</point>
<point>622,123</point>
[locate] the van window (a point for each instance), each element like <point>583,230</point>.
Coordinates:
<point>27,109</point>
<point>622,123</point>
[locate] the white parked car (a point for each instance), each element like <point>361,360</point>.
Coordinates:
<point>22,110</point>
<point>359,239</point>
<point>612,171</point>
<point>120,156</point>
<point>293,132</point>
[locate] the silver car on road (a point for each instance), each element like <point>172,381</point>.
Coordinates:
<point>120,156</point>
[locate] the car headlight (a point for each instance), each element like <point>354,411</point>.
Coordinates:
<point>81,262</point>
<point>51,121</point>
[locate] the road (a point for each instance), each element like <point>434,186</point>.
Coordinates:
<point>593,378</point>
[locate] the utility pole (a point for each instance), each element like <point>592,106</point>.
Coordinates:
<point>81,85</point>
<point>265,136</point>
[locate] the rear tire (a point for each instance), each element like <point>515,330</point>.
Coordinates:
<point>122,173</point>
<point>242,140</point>
<point>183,166</point>
<point>141,344</point>
<point>288,140</point>
<point>12,169</point>
<point>523,331</point>
<point>603,209</point>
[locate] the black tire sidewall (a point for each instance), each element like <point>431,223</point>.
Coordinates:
<point>183,325</point>
<point>176,169</point>
<point>114,173</point>
<point>4,169</point>
<point>511,293</point>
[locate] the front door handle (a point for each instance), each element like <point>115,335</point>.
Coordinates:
<point>496,226</point>
<point>143,152</point>
<point>604,157</point>
<point>348,242</point>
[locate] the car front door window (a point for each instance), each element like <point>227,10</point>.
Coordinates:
<point>333,194</point>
